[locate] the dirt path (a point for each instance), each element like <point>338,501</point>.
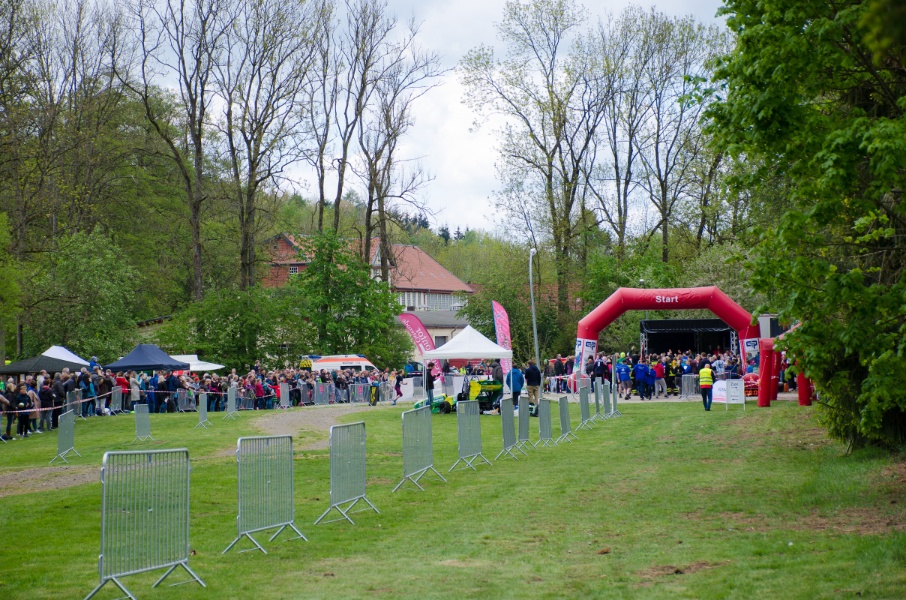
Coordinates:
<point>315,421</point>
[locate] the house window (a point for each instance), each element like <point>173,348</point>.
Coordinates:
<point>439,340</point>
<point>439,301</point>
<point>293,270</point>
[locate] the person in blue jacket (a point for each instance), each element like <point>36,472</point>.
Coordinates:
<point>515,381</point>
<point>640,371</point>
<point>650,379</point>
<point>622,373</point>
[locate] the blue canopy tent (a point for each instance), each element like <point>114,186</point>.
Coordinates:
<point>147,357</point>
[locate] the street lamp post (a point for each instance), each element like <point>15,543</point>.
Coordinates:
<point>532,294</point>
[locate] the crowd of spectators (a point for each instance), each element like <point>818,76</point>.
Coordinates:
<point>36,402</point>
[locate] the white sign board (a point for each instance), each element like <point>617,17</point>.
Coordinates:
<point>736,392</point>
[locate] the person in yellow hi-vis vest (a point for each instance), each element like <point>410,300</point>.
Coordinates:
<point>705,381</point>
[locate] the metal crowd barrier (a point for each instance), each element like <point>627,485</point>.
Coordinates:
<point>614,411</point>
<point>347,470</point>
<point>689,387</point>
<point>468,422</point>
<point>545,428</point>
<point>144,515</point>
<point>266,490</point>
<point>418,387</point>
<point>284,396</point>
<point>320,394</point>
<point>116,400</point>
<point>66,436</point>
<point>360,393</point>
<point>142,423</point>
<point>184,400</point>
<point>608,403</point>
<point>306,398</point>
<point>385,392</point>
<point>418,448</point>
<point>203,411</point>
<point>524,416</point>
<point>231,403</point>
<point>247,400</point>
<point>600,390</point>
<point>74,403</point>
<point>566,429</point>
<point>584,409</point>
<point>508,425</point>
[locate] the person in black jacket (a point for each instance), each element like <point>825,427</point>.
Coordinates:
<point>532,381</point>
<point>59,396</point>
<point>22,404</point>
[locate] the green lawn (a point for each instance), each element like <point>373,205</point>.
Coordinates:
<point>666,502</point>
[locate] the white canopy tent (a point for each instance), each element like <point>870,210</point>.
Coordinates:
<point>64,354</point>
<point>469,344</point>
<point>196,365</point>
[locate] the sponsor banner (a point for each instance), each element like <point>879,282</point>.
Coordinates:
<point>584,349</point>
<point>719,392</point>
<point>502,327</point>
<point>750,349</point>
<point>416,329</point>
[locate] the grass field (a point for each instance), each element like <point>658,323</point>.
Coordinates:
<point>666,502</point>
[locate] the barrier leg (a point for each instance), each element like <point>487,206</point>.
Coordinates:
<point>118,584</point>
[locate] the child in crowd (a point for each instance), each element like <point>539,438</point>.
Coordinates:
<point>23,403</point>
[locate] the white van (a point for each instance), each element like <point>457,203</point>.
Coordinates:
<point>338,362</point>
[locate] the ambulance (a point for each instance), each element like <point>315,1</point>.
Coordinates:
<point>337,362</point>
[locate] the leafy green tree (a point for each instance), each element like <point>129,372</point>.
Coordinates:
<point>349,312</point>
<point>9,289</point>
<point>81,297</point>
<point>809,97</point>
<point>237,327</point>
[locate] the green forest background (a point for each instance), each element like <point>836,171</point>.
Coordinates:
<point>147,147</point>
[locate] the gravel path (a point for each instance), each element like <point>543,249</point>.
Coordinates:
<point>318,419</point>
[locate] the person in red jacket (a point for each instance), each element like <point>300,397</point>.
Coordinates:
<point>660,383</point>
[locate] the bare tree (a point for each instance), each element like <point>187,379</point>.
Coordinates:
<point>260,78</point>
<point>625,50</point>
<point>407,73</point>
<point>672,137</point>
<point>179,42</point>
<point>551,91</point>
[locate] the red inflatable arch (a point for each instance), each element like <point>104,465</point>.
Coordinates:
<point>710,298</point>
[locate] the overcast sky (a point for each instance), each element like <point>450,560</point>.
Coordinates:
<point>462,161</point>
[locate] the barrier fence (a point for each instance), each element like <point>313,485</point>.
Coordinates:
<point>74,403</point>
<point>689,387</point>
<point>418,447</point>
<point>524,416</point>
<point>614,411</point>
<point>584,409</point>
<point>385,392</point>
<point>347,470</point>
<point>508,425</point>
<point>142,423</point>
<point>360,393</point>
<point>321,395</point>
<point>468,422</point>
<point>184,401</point>
<point>418,387</point>
<point>266,490</point>
<point>566,429</point>
<point>65,436</point>
<point>545,429</point>
<point>231,404</point>
<point>285,401</point>
<point>203,411</point>
<point>601,391</point>
<point>116,400</point>
<point>608,409</point>
<point>144,515</point>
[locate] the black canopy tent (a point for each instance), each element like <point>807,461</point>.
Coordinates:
<point>698,335</point>
<point>39,363</point>
<point>147,357</point>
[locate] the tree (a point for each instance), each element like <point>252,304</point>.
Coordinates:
<point>266,59</point>
<point>9,291</point>
<point>552,93</point>
<point>81,298</point>
<point>349,312</point>
<point>237,327</point>
<point>809,98</point>
<point>183,41</point>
